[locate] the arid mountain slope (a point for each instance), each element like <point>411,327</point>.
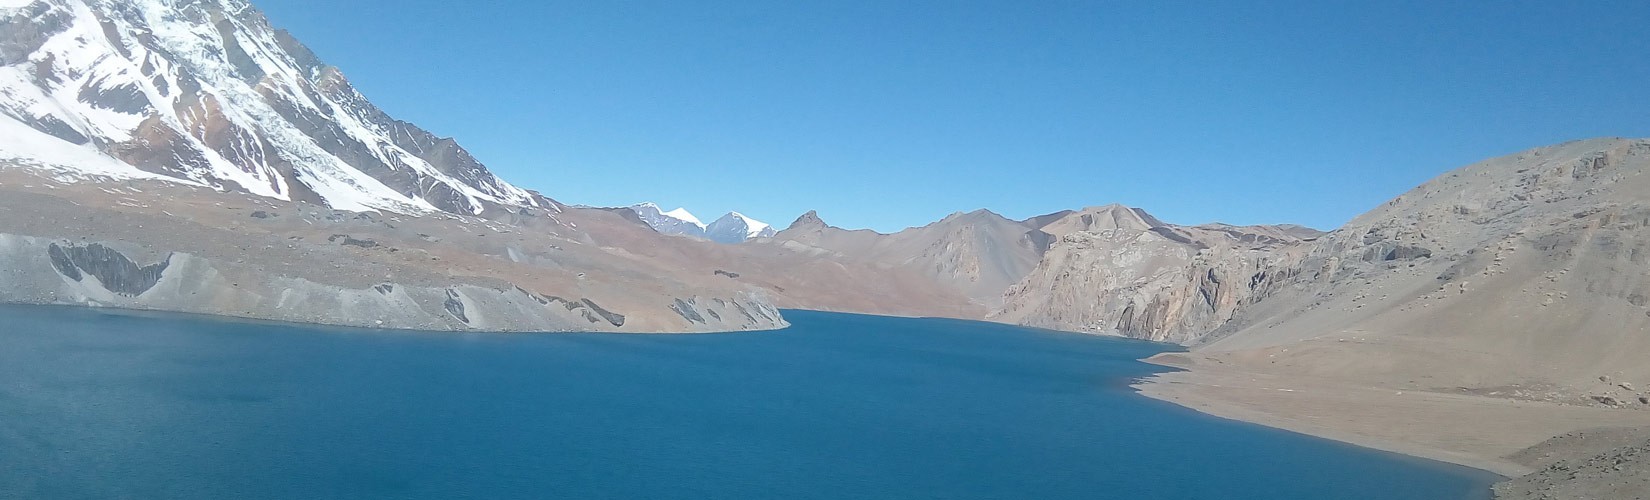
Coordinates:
<point>1525,276</point>
<point>978,253</point>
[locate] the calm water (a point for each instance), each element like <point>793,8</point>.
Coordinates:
<point>103,405</point>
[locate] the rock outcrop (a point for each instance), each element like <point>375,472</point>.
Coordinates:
<point>183,282</point>
<point>1118,270</point>
<point>1596,463</point>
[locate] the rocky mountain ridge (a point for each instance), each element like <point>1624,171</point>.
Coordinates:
<point>977,253</point>
<point>1110,269</point>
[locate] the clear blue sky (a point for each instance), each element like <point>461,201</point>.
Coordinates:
<point>887,114</point>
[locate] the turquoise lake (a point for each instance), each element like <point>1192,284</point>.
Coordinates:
<point>103,404</point>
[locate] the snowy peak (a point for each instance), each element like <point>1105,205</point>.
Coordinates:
<point>678,221</point>
<point>731,228</point>
<point>683,215</point>
<point>736,227</point>
<point>206,92</point>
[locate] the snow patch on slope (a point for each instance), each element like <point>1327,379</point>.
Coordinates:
<point>27,147</point>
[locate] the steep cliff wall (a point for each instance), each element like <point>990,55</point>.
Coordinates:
<point>1117,270</point>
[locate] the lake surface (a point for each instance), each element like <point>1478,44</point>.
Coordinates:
<point>101,404</point>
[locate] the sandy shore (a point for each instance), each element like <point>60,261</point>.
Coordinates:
<point>1476,431</point>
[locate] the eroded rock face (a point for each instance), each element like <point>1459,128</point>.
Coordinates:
<point>687,311</point>
<point>1117,270</point>
<point>611,317</point>
<point>737,310</point>
<point>113,270</point>
<point>584,307</point>
<point>455,306</point>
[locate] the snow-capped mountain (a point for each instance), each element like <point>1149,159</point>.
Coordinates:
<point>736,227</point>
<point>206,92</point>
<point>731,228</point>
<point>678,221</point>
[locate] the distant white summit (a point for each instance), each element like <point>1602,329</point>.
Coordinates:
<point>736,227</point>
<point>731,228</point>
<point>678,221</point>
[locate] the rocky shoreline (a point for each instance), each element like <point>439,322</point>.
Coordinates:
<point>1609,463</point>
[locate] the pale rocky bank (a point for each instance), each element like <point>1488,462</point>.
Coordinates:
<point>172,248</point>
